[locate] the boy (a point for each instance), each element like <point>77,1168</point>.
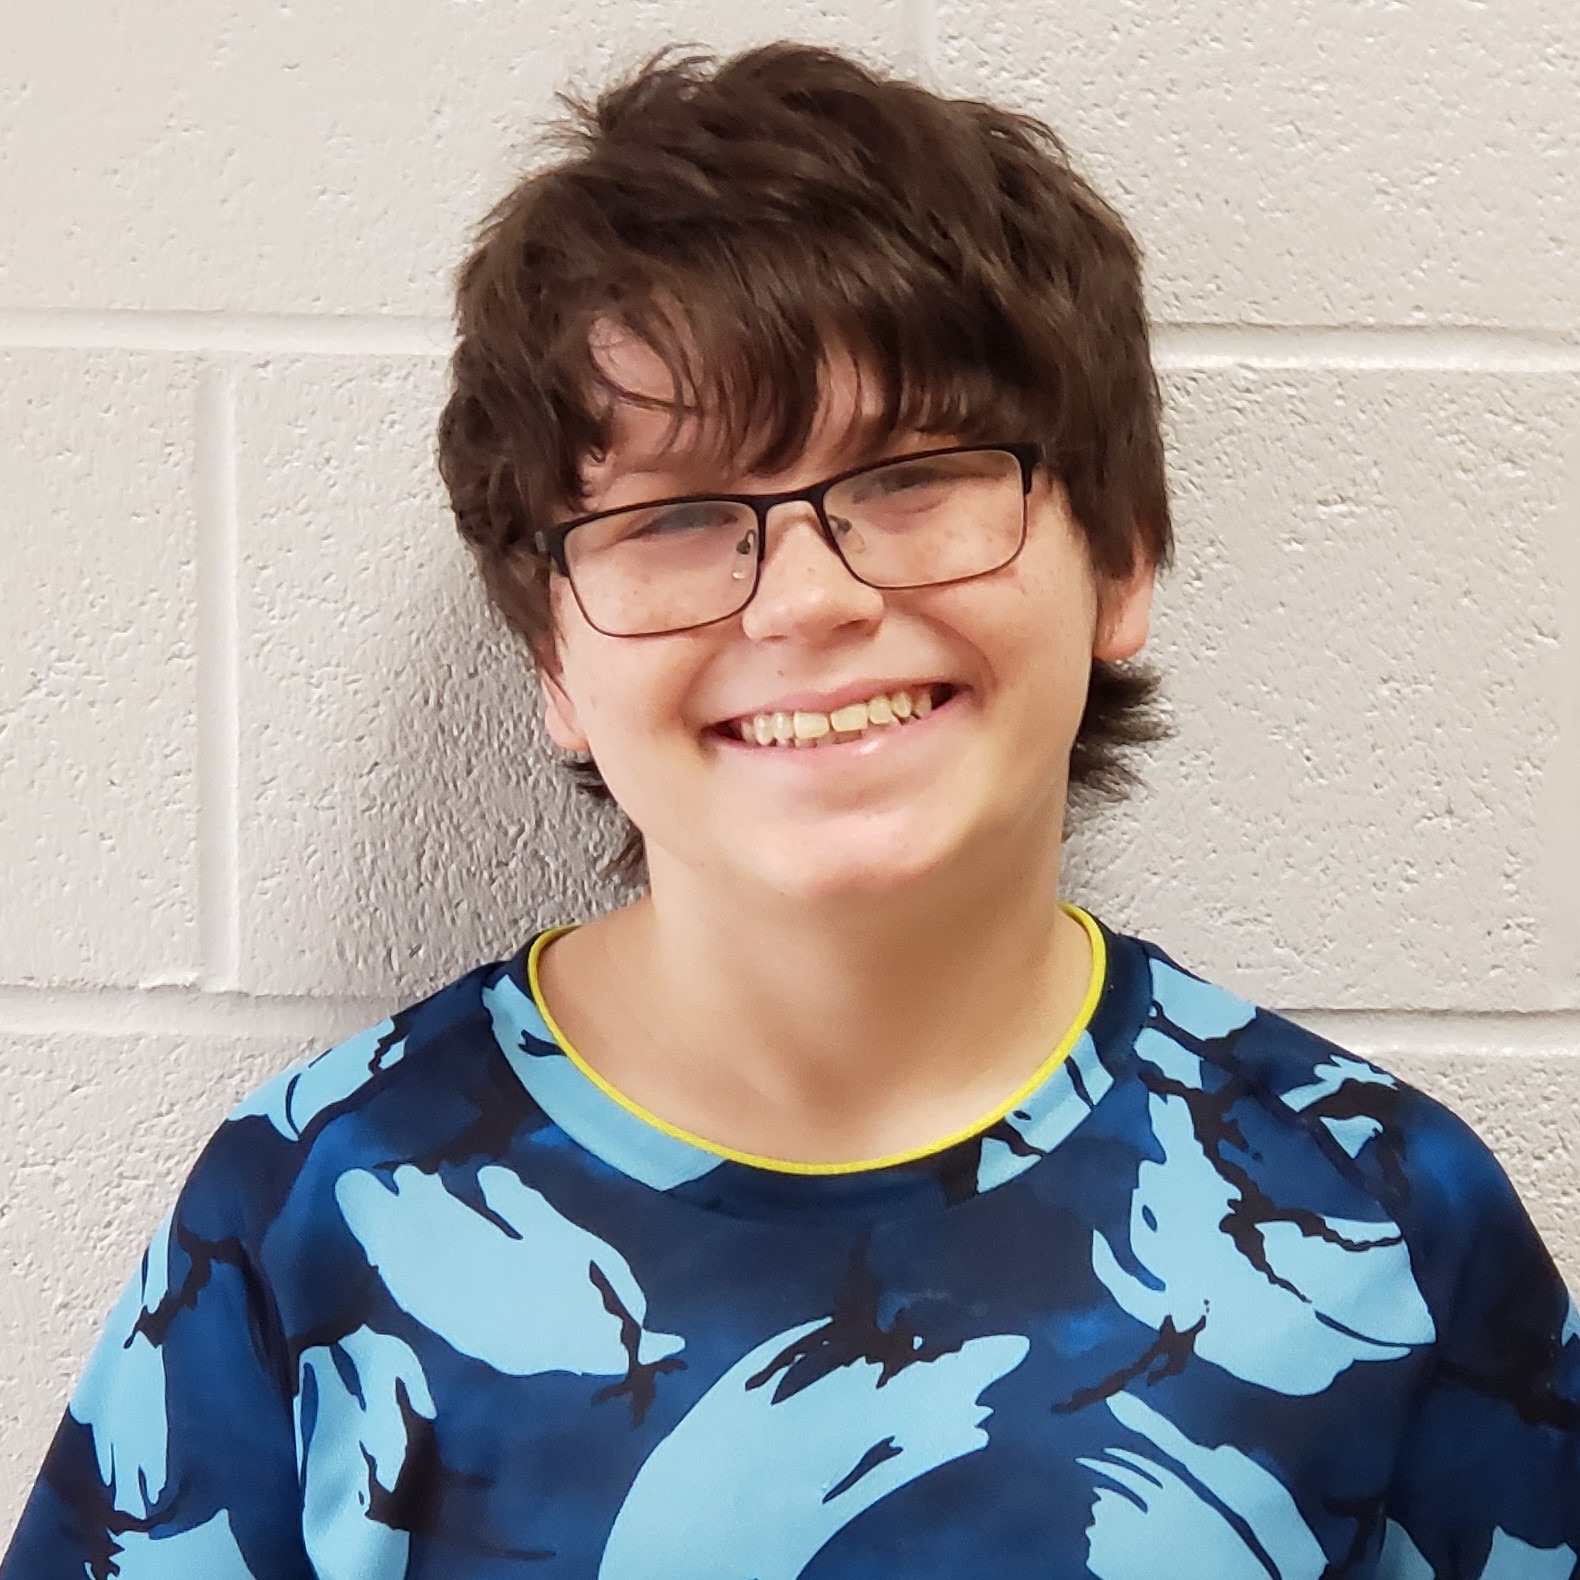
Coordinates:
<point>846,1205</point>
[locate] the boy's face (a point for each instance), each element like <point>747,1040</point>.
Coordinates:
<point>984,777</point>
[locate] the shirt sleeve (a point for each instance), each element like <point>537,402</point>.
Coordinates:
<point>176,1456</point>
<point>1487,1485</point>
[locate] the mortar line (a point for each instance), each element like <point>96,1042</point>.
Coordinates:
<point>218,685</point>
<point>1427,347</point>
<point>132,329</point>
<point>1381,1035</point>
<point>187,1010</point>
<point>1178,343</point>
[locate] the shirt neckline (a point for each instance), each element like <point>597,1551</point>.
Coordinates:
<point>1094,992</point>
<point>619,1133</point>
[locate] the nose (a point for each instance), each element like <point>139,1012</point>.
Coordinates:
<point>804,588</point>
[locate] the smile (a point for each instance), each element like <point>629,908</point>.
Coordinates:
<point>892,713</point>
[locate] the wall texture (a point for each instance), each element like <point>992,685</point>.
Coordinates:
<point>265,772</point>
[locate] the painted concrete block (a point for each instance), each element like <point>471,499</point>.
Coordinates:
<point>1373,657</point>
<point>97,1132</point>
<point>307,159</point>
<point>1317,164</point>
<point>401,819</point>
<point>98,812</point>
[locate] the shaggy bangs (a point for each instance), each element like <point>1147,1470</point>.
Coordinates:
<point>756,222</point>
<point>750,397</point>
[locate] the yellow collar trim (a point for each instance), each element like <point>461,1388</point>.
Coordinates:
<point>1094,990</point>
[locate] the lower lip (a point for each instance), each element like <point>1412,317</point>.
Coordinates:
<point>878,740</point>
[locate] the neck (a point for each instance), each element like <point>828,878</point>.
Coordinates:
<point>855,1026</point>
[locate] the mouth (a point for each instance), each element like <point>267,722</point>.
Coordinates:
<point>900,712</point>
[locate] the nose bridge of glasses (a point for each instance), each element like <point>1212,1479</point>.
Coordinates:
<point>803,580</point>
<point>809,507</point>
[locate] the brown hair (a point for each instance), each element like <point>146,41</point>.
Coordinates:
<point>749,218</point>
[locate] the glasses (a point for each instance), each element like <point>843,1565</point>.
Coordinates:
<point>919,520</point>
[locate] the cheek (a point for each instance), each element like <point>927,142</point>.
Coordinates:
<point>1045,621</point>
<point>1039,654</point>
<point>628,698</point>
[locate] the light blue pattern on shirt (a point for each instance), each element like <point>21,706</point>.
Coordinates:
<point>206,1552</point>
<point>518,1294</point>
<point>749,1484</point>
<point>352,1438</point>
<point>122,1393</point>
<point>1048,1115</point>
<point>583,1112</point>
<point>296,1097</point>
<point>1349,1293</point>
<point>1218,1512</point>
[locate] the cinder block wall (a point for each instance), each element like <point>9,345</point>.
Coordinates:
<point>266,773</point>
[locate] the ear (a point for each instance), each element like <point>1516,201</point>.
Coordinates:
<point>559,714</point>
<point>1124,612</point>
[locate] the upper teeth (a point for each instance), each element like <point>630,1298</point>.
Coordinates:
<point>808,729</point>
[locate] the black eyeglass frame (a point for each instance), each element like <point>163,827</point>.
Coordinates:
<point>550,541</point>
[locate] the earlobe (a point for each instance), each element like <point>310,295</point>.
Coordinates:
<point>559,716</point>
<point>1124,614</point>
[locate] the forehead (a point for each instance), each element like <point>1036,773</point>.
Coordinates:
<point>657,430</point>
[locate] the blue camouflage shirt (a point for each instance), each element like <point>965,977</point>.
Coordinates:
<point>1207,1299</point>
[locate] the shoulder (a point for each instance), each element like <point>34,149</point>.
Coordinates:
<point>451,1024</point>
<point>1306,1115</point>
<point>417,1083</point>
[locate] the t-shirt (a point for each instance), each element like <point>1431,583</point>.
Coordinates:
<point>1207,1299</point>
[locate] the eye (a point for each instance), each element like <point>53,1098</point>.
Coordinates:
<point>916,483</point>
<point>900,479</point>
<point>703,515</point>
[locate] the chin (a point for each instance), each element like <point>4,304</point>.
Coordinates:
<point>814,871</point>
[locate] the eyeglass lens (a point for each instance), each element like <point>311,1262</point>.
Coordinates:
<point>906,523</point>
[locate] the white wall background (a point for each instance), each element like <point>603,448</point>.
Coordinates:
<point>266,774</point>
